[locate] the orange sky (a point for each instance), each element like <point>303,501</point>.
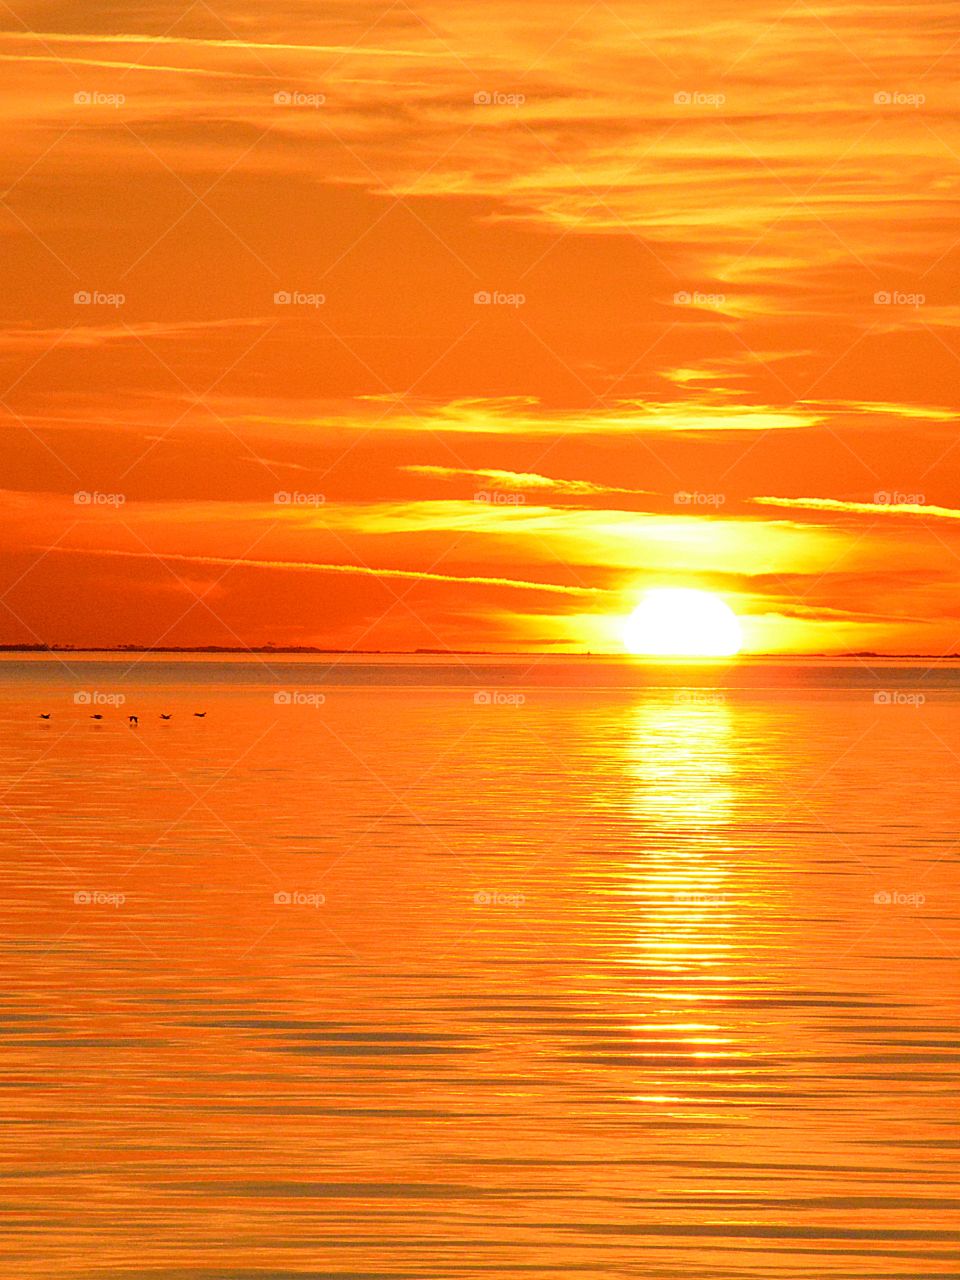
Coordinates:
<point>723,351</point>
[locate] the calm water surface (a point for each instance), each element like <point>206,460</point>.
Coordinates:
<point>444,971</point>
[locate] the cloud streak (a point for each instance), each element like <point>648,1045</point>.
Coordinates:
<point>309,566</point>
<point>879,508</point>
<point>520,481</point>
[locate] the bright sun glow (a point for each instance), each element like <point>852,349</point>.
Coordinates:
<point>681,622</point>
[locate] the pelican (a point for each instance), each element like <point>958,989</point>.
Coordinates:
<point>199,714</point>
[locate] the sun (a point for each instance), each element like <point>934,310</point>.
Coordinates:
<point>682,622</point>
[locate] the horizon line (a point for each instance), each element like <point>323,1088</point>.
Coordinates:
<point>425,653</point>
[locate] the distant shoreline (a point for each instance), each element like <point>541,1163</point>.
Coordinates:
<point>279,651</point>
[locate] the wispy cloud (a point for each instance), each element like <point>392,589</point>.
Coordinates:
<point>519,481</point>
<point>198,42</point>
<point>892,506</point>
<point>309,566</point>
<point>524,416</point>
<point>88,336</point>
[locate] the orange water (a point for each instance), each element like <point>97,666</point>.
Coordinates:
<point>598,985</point>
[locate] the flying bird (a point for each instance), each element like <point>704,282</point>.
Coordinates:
<point>164,716</point>
<point>199,714</point>
<point>133,720</point>
<point>44,715</point>
<point>98,716</point>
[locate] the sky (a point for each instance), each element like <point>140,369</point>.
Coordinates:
<point>390,326</point>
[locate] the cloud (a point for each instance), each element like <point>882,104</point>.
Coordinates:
<point>885,505</point>
<point>87,336</point>
<point>111,64</point>
<point>308,566</point>
<point>524,416</point>
<point>519,481</point>
<point>195,42</point>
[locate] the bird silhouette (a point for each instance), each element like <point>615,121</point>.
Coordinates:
<point>98,716</point>
<point>44,715</point>
<point>133,720</point>
<point>199,714</point>
<point>164,716</point>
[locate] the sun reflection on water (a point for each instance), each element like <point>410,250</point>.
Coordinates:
<point>681,755</point>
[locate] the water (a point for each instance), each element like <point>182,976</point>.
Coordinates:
<point>592,983</point>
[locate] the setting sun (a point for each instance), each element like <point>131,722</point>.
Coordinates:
<point>682,622</point>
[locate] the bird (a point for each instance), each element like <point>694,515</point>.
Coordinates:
<point>44,715</point>
<point>164,715</point>
<point>199,714</point>
<point>133,720</point>
<point>98,716</point>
